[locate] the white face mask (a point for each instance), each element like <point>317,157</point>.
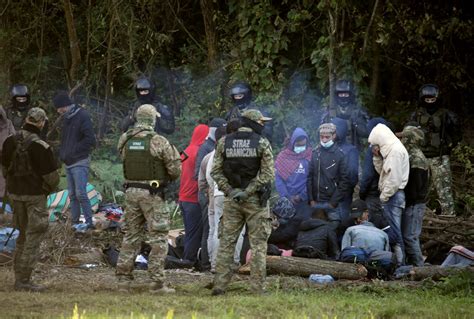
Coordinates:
<point>327,144</point>
<point>299,149</point>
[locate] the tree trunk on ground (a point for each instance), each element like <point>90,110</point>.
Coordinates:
<point>73,42</point>
<point>207,9</point>
<point>436,272</point>
<point>296,266</point>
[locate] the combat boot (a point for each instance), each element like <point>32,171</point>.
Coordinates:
<point>27,285</point>
<point>159,288</point>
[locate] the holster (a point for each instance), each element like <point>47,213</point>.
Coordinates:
<point>153,190</point>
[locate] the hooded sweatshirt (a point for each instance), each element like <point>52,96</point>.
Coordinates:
<point>351,152</point>
<point>188,188</point>
<point>291,169</point>
<point>393,166</point>
<point>418,182</point>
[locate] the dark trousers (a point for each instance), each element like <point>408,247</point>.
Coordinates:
<point>192,229</point>
<point>204,204</point>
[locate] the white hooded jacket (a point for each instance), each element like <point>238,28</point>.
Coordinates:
<point>394,165</point>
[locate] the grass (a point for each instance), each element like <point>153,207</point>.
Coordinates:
<point>192,301</point>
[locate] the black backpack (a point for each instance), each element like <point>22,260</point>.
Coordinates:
<point>20,164</point>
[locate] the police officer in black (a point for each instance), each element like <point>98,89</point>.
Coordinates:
<point>146,94</point>
<point>241,96</point>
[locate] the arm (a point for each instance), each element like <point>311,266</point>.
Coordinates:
<point>217,172</point>
<point>368,174</point>
<point>353,166</point>
<point>87,141</point>
<point>343,185</point>
<point>393,169</point>
<point>281,186</point>
<point>266,174</point>
<point>165,122</point>
<point>309,181</point>
<point>346,239</point>
<point>203,186</point>
<point>161,147</point>
<point>128,120</point>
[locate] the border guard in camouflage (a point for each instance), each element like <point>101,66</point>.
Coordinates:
<point>442,133</point>
<point>28,183</point>
<point>243,171</point>
<point>149,163</point>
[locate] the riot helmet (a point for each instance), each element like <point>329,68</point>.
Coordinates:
<point>344,97</point>
<point>241,94</point>
<point>20,97</point>
<point>428,95</point>
<point>145,90</point>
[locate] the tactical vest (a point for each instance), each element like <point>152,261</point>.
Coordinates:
<point>432,126</point>
<point>16,117</point>
<point>241,159</point>
<point>139,164</point>
<point>20,166</point>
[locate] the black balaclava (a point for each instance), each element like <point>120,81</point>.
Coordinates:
<point>244,89</point>
<point>429,91</point>
<point>20,90</point>
<point>145,84</point>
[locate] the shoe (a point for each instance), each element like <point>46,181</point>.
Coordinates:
<point>22,285</point>
<point>217,292</point>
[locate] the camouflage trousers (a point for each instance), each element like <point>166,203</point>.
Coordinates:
<point>441,181</point>
<point>141,208</point>
<point>31,219</point>
<point>234,218</point>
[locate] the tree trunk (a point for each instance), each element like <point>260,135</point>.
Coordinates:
<point>73,42</point>
<point>207,9</point>
<point>436,272</point>
<point>296,266</point>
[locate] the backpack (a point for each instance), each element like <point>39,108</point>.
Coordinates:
<point>20,164</point>
<point>354,255</point>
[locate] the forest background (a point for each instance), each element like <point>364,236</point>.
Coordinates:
<point>291,52</point>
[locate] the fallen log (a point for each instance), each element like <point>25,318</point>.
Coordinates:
<point>436,272</point>
<point>296,266</point>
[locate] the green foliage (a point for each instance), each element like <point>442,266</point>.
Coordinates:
<point>459,285</point>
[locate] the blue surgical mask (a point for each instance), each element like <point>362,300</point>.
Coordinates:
<point>328,144</point>
<point>299,149</point>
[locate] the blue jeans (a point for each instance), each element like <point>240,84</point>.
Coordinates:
<point>192,218</point>
<point>412,221</point>
<point>334,214</point>
<point>77,177</point>
<point>392,211</point>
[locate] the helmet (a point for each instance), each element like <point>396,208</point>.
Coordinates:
<point>242,90</point>
<point>428,90</point>
<point>145,84</point>
<point>344,97</point>
<point>20,96</point>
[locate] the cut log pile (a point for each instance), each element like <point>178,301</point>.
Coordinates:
<point>440,233</point>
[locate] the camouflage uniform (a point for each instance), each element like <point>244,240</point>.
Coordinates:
<point>440,137</point>
<point>248,211</point>
<point>143,207</point>
<point>28,186</point>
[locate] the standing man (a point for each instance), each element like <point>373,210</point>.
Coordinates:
<point>442,133</point>
<point>416,193</point>
<point>20,96</point>
<point>241,96</point>
<point>149,163</point>
<point>243,171</point>
<point>328,179</point>
<point>77,141</point>
<point>348,110</point>
<point>392,163</point>
<point>146,94</point>
<point>29,182</point>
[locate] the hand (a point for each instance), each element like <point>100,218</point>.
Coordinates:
<point>295,199</point>
<point>233,192</point>
<point>312,203</point>
<point>331,206</point>
<point>240,196</point>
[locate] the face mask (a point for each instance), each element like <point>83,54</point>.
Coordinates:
<point>328,144</point>
<point>299,149</point>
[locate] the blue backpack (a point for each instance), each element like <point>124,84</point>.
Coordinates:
<point>354,255</point>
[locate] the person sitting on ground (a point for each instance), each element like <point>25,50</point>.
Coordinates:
<point>288,224</point>
<point>364,234</point>
<point>316,238</point>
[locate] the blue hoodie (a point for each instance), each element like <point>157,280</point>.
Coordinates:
<point>370,178</point>
<point>295,184</point>
<point>349,150</point>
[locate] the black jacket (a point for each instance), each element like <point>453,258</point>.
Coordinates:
<point>164,124</point>
<point>320,235</point>
<point>206,147</point>
<point>328,178</point>
<point>417,187</point>
<point>285,235</point>
<point>42,163</point>
<point>77,136</point>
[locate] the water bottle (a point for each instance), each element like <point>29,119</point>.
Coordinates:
<point>321,279</point>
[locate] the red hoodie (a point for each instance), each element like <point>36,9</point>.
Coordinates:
<point>188,188</point>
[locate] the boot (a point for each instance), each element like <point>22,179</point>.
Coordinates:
<point>27,285</point>
<point>159,288</point>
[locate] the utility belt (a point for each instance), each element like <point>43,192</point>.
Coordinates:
<point>153,187</point>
